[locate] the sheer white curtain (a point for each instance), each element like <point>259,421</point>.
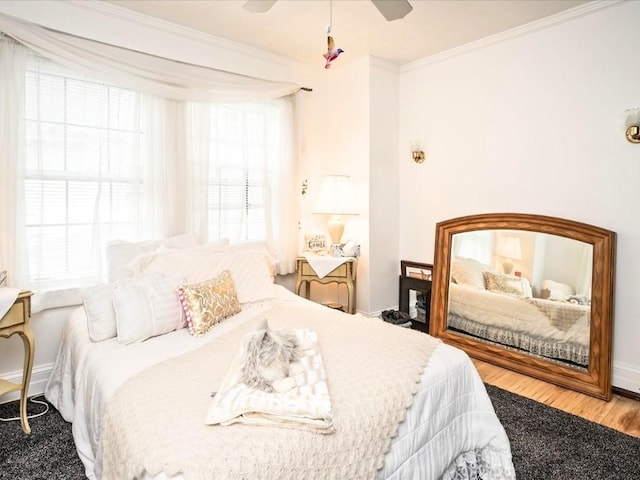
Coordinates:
<point>241,162</point>
<point>13,57</point>
<point>173,186</point>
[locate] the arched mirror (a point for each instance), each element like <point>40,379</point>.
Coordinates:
<point>531,293</point>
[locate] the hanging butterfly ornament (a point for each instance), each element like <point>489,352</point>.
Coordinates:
<point>332,52</point>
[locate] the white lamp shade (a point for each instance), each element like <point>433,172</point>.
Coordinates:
<point>336,196</point>
<point>509,247</point>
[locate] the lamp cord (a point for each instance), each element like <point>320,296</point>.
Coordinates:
<point>32,400</point>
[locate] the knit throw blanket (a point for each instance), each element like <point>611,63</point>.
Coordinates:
<point>155,421</point>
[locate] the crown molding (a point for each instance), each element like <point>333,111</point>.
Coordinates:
<point>80,17</point>
<point>534,26</point>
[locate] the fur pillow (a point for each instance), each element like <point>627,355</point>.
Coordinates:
<point>209,302</point>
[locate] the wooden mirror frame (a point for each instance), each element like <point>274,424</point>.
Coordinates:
<point>596,380</point>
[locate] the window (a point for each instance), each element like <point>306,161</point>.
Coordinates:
<point>244,151</point>
<point>82,173</point>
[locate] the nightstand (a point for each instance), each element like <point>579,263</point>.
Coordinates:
<point>344,274</point>
<point>16,320</point>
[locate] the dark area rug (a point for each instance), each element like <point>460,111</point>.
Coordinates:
<point>547,444</point>
<point>47,454</point>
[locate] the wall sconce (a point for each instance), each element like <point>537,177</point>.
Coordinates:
<point>418,156</point>
<point>416,152</point>
<point>633,124</point>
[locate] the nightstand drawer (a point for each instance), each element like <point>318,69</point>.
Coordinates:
<point>340,272</point>
<point>15,316</point>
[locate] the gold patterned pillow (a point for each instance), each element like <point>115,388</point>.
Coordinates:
<point>209,302</point>
<point>498,282</point>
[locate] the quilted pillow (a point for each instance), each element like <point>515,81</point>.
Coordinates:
<point>120,253</point>
<point>251,266</point>
<point>209,302</point>
<point>498,282</point>
<point>467,271</point>
<point>147,308</point>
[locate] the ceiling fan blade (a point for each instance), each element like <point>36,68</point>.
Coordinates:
<point>258,6</point>
<point>393,9</point>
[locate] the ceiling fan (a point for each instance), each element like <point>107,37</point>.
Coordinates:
<point>390,9</point>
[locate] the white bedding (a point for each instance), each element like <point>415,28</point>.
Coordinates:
<point>450,424</point>
<point>517,313</point>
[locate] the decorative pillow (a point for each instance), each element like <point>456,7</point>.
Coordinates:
<point>498,282</point>
<point>467,271</point>
<point>147,308</point>
<point>208,303</point>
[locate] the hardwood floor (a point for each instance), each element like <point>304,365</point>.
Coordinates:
<point>621,413</point>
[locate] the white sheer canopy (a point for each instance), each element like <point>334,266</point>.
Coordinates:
<point>142,72</point>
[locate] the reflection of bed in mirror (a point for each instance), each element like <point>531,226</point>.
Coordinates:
<point>552,329</point>
<point>528,292</point>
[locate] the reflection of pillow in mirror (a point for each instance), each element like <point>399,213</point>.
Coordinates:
<point>527,291</point>
<point>467,271</point>
<point>560,289</point>
<point>498,282</point>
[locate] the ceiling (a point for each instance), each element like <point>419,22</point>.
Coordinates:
<point>297,29</point>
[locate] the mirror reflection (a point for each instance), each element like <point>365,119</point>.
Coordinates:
<point>524,290</point>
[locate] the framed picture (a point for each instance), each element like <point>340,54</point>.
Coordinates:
<point>421,271</point>
<point>315,243</point>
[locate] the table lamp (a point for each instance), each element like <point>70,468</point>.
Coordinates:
<point>508,247</point>
<point>336,198</point>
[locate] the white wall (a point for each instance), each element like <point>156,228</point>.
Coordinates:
<point>533,124</point>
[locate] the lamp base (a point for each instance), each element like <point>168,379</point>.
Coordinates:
<point>507,267</point>
<point>336,229</point>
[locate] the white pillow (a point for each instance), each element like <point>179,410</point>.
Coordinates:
<point>101,317</point>
<point>253,272</point>
<point>527,291</point>
<point>467,271</point>
<point>251,265</point>
<point>120,253</point>
<point>559,289</point>
<point>147,308</point>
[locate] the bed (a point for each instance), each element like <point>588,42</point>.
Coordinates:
<point>448,429</point>
<point>505,313</point>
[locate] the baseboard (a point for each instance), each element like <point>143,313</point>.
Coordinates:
<point>39,377</point>
<point>626,377</point>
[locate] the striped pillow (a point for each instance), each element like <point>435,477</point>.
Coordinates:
<point>146,308</point>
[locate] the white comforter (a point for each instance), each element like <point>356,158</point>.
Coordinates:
<point>450,421</point>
